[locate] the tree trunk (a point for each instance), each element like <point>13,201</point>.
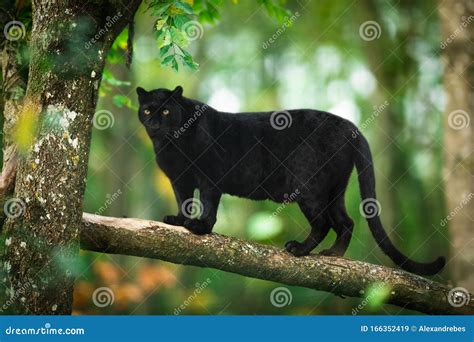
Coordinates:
<point>65,70</point>
<point>14,80</point>
<point>457,20</point>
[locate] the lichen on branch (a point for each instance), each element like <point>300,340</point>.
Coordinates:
<point>336,275</point>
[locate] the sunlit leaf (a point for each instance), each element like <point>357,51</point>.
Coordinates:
<point>178,37</point>
<point>161,22</point>
<point>121,101</point>
<point>109,78</point>
<point>164,38</point>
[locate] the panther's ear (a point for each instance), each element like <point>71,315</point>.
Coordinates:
<point>178,91</point>
<point>141,92</point>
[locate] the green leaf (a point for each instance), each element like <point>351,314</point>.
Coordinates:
<point>164,38</point>
<point>115,55</point>
<point>164,50</point>
<point>159,10</point>
<point>178,37</point>
<point>121,100</point>
<point>191,65</point>
<point>184,7</point>
<point>172,15</point>
<point>205,17</point>
<point>167,60</point>
<point>180,19</point>
<point>161,22</point>
<point>186,54</point>
<point>175,65</point>
<point>213,12</point>
<point>198,6</point>
<point>109,78</point>
<point>274,9</point>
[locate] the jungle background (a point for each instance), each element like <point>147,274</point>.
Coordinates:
<point>376,63</point>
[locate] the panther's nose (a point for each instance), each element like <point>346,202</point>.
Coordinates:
<point>152,124</point>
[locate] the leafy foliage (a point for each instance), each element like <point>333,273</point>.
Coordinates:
<point>180,22</point>
<point>275,9</point>
<point>176,26</point>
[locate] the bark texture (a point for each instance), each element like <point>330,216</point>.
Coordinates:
<point>457,21</point>
<point>64,75</point>
<point>14,68</point>
<point>340,276</point>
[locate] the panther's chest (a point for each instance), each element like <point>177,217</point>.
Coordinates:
<point>172,159</point>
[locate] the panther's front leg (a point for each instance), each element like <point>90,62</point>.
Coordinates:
<point>182,193</point>
<point>204,220</point>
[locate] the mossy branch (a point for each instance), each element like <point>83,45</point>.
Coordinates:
<point>339,276</point>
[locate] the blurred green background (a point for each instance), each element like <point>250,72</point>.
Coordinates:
<point>390,86</point>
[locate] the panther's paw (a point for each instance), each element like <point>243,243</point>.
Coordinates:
<point>198,227</point>
<point>330,252</point>
<point>174,220</point>
<point>296,248</point>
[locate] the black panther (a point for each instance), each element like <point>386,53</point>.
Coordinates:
<point>266,155</point>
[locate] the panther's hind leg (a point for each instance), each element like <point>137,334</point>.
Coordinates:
<point>318,217</point>
<point>343,225</point>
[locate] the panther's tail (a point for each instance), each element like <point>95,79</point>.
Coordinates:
<point>365,169</point>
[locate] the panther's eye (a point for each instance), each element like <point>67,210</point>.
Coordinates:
<point>166,112</point>
<point>147,112</point>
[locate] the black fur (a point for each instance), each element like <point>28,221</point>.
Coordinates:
<point>243,154</point>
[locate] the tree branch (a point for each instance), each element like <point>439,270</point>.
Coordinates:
<point>339,276</point>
